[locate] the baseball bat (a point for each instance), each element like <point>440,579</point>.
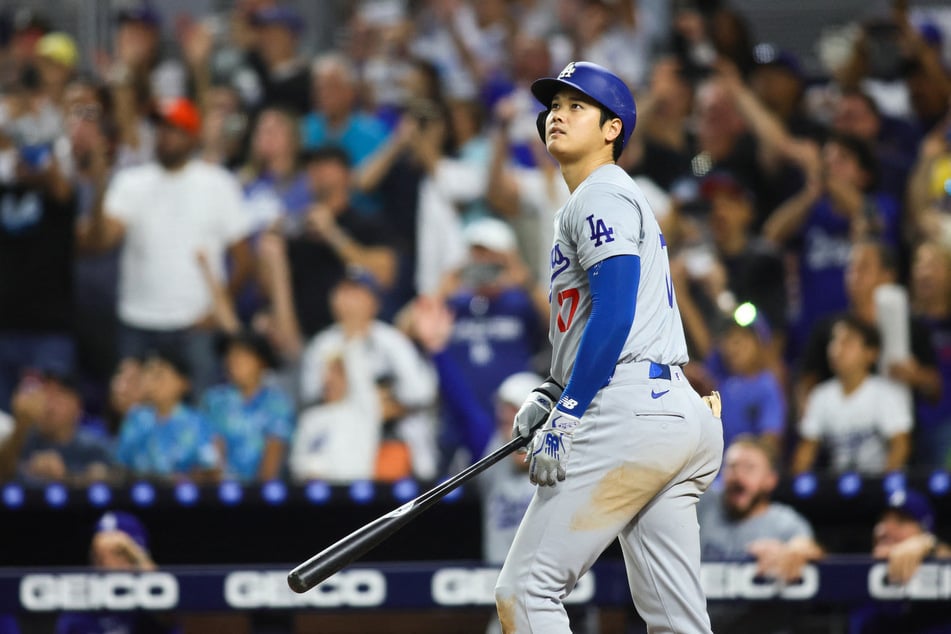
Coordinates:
<point>361,541</point>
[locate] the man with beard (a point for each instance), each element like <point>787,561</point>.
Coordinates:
<point>166,214</point>
<point>739,520</point>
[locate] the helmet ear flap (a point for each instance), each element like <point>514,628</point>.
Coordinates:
<point>540,123</point>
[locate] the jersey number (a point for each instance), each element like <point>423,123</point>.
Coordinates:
<point>571,296</point>
<point>600,232</point>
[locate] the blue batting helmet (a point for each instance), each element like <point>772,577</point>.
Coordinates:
<point>597,83</point>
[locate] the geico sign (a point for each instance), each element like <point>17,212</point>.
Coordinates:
<point>268,589</point>
<point>740,581</point>
<point>931,581</point>
<point>476,586</point>
<point>105,591</point>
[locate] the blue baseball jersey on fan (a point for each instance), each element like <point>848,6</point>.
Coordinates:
<point>826,243</point>
<point>493,339</point>
<point>246,425</point>
<point>176,445</point>
<point>751,405</point>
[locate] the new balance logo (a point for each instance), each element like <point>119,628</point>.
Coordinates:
<point>568,403</point>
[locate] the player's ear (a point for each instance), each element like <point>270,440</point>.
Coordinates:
<point>611,129</point>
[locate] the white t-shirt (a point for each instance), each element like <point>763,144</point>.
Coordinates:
<point>339,441</point>
<point>391,356</point>
<point>856,427</point>
<point>169,217</point>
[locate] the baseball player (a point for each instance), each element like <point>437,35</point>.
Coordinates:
<point>629,446</point>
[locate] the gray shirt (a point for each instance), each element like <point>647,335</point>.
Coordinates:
<point>606,216</point>
<point>722,537</point>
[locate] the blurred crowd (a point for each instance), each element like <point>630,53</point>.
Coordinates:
<point>222,257</point>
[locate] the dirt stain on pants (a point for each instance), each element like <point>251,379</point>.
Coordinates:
<point>619,496</point>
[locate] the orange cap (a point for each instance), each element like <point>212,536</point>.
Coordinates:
<point>181,113</point>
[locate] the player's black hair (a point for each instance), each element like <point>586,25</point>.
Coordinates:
<point>871,338</point>
<point>607,115</point>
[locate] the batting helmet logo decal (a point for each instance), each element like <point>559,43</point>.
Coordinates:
<point>568,71</point>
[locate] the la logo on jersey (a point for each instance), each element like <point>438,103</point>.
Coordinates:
<point>568,72</point>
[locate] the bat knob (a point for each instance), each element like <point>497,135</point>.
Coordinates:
<point>296,583</point>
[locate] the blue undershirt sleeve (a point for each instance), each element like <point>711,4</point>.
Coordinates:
<point>613,283</point>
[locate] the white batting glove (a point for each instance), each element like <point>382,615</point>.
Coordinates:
<point>535,410</point>
<point>550,448</point>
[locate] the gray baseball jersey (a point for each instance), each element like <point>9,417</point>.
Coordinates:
<point>608,215</point>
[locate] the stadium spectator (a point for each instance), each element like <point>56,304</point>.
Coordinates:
<point>164,438</point>
<point>165,213</point>
<point>275,184</point>
<point>125,392</point>
<point>406,384</point>
<point>224,126</point>
<point>36,256</point>
<point>339,438</point>
<point>779,81</point>
<point>929,196</point>
<point>663,141</point>
<point>893,140</point>
<point>120,542</point>
<point>465,41</point>
<point>500,318</point>
<point>284,77</point>
<point>862,420</point>
<point>331,236</point>
<point>903,536</point>
<point>740,267</point>
<point>49,442</point>
<point>418,201</point>
<point>871,264</point>
<point>752,394</point>
<point>91,137</point>
<point>930,287</point>
<point>336,118</point>
<point>740,520</point>
<point>837,206</point>
<point>56,61</point>
<point>252,419</point>
<point>524,186</point>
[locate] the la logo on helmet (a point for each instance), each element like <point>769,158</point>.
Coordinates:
<point>568,72</point>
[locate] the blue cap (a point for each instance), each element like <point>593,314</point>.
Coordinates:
<point>931,33</point>
<point>278,16</point>
<point>144,14</point>
<point>914,505</point>
<point>361,276</point>
<point>770,55</point>
<point>126,523</point>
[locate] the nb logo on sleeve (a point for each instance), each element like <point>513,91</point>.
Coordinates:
<point>568,403</point>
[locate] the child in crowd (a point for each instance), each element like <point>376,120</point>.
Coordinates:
<point>339,438</point>
<point>164,437</point>
<point>862,419</point>
<point>252,419</point>
<point>753,401</point>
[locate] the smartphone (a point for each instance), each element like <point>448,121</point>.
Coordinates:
<point>884,56</point>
